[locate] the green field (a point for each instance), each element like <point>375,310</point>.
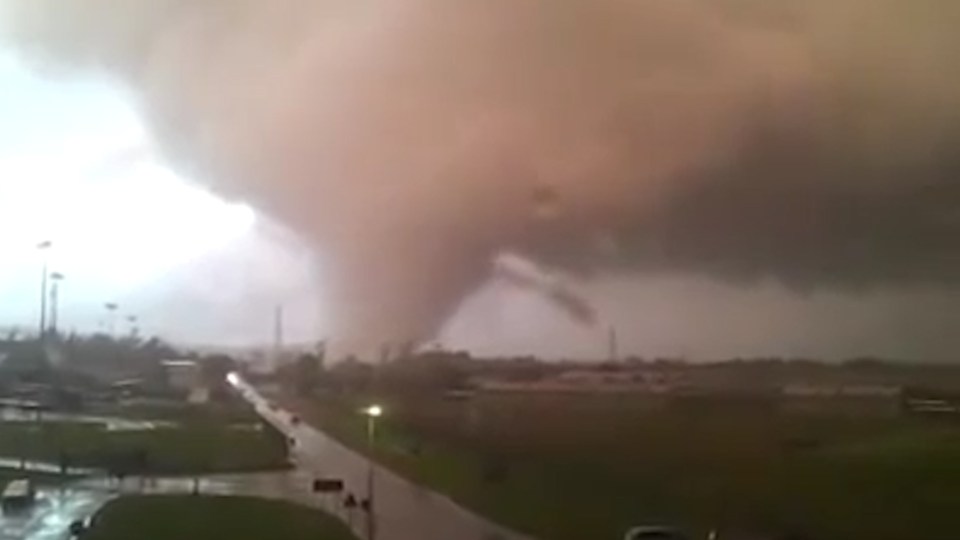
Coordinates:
<point>198,445</point>
<point>189,517</point>
<point>587,467</point>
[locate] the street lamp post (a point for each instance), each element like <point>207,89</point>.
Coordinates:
<point>372,412</point>
<point>43,247</point>
<point>132,319</point>
<point>111,311</point>
<point>56,277</point>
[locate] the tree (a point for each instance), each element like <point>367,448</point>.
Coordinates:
<point>350,375</point>
<point>432,371</point>
<point>157,349</point>
<point>307,372</point>
<point>213,371</point>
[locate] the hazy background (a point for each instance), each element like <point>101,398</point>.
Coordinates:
<point>713,178</point>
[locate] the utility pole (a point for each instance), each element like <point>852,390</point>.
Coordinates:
<point>613,346</point>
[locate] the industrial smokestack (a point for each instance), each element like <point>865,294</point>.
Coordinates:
<point>613,347</point>
<point>278,352</point>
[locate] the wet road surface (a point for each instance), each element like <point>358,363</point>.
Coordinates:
<point>403,510</point>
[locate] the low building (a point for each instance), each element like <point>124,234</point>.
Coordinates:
<point>857,399</point>
<point>596,381</point>
<point>926,402</point>
<point>841,390</point>
<point>183,375</point>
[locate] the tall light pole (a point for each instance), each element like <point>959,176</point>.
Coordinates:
<point>43,247</point>
<point>372,412</point>
<point>132,319</point>
<point>56,277</point>
<point>111,311</point>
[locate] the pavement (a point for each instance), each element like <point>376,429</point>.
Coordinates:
<point>402,510</point>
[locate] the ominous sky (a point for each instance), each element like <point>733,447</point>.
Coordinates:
<point>713,177</point>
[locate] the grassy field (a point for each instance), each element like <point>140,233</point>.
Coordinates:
<point>587,467</point>
<point>233,518</point>
<point>197,445</point>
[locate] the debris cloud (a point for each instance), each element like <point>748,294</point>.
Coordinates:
<point>413,142</point>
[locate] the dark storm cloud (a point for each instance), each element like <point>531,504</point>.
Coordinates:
<point>812,236</point>
<point>412,142</point>
<point>808,228</point>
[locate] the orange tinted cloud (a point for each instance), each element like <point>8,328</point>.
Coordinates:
<point>412,142</point>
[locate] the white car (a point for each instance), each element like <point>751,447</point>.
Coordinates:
<point>18,494</point>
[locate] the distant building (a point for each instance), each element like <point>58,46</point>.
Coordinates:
<point>926,402</point>
<point>586,380</point>
<point>186,377</point>
<point>182,375</point>
<point>841,390</point>
<point>859,399</point>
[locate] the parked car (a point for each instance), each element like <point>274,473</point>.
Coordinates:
<point>18,495</point>
<point>78,527</point>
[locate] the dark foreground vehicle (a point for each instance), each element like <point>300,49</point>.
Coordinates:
<point>655,533</point>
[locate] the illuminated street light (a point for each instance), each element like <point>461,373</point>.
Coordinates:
<point>233,378</point>
<point>372,412</point>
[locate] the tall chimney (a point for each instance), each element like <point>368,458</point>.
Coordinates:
<point>613,353</point>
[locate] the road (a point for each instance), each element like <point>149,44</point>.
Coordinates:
<point>402,510</point>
